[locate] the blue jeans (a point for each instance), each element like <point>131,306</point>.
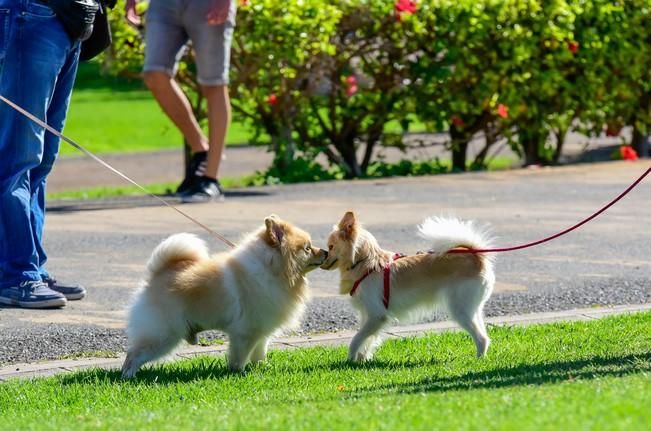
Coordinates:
<point>38,64</point>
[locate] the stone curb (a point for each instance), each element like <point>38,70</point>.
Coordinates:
<point>50,368</point>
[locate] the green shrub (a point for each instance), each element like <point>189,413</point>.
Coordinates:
<point>327,77</point>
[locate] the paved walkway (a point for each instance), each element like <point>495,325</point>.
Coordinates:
<point>50,368</point>
<point>105,246</point>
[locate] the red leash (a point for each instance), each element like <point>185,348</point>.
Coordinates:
<point>549,238</point>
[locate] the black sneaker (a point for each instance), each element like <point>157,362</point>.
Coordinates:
<point>72,292</point>
<point>204,190</point>
<point>194,171</point>
<point>32,294</point>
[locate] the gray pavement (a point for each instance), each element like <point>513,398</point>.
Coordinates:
<point>105,246</point>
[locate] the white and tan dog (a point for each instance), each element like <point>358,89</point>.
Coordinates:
<point>385,286</point>
<point>250,293</point>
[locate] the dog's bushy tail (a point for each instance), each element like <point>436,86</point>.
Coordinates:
<point>446,233</point>
<point>175,249</point>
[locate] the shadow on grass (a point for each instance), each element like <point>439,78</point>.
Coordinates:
<point>208,368</point>
<point>523,375</point>
<point>91,77</point>
<point>205,368</point>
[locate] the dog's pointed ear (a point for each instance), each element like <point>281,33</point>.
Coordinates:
<point>348,225</point>
<point>275,230</point>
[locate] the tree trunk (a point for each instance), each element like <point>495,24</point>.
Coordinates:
<point>351,165</point>
<point>283,147</point>
<point>530,142</point>
<point>640,144</point>
<point>459,150</point>
<point>560,142</point>
<point>374,137</point>
<point>490,137</point>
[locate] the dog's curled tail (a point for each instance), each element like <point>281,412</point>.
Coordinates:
<point>176,249</point>
<point>446,233</point>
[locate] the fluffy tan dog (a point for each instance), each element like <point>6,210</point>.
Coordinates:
<point>250,293</point>
<point>384,285</point>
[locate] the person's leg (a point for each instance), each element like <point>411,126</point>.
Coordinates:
<point>56,115</point>
<point>165,39</point>
<point>212,45</point>
<point>31,58</point>
<point>176,106</point>
<point>219,118</point>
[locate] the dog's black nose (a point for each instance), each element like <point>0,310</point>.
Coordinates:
<point>326,253</point>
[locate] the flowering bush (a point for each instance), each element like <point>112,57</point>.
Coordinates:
<point>327,77</point>
<point>338,70</point>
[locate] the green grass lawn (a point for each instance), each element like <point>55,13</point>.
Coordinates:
<point>109,115</point>
<point>581,375</point>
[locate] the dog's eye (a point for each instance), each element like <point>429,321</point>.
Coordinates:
<point>330,247</point>
<point>308,248</point>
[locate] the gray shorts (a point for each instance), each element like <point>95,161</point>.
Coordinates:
<point>169,26</point>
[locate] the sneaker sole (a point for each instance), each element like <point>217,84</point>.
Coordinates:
<point>197,199</point>
<point>74,296</point>
<point>48,303</point>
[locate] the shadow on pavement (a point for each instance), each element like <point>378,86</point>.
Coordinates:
<point>63,206</point>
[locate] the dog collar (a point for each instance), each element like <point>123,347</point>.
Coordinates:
<point>387,280</point>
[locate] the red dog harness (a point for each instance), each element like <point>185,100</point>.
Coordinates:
<point>387,280</point>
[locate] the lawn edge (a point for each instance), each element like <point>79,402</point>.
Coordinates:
<point>51,368</point>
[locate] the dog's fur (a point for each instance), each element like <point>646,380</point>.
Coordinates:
<point>250,293</point>
<point>461,282</point>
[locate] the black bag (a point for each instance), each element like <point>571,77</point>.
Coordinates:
<point>77,16</point>
<point>100,38</point>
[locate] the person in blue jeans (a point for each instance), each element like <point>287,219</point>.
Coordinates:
<point>38,64</point>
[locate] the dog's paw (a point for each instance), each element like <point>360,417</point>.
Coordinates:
<point>236,368</point>
<point>128,370</point>
<point>128,373</point>
<point>359,357</point>
<point>192,339</point>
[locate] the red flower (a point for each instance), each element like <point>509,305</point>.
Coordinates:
<point>407,7</point>
<point>628,153</point>
<point>244,2</point>
<point>503,110</point>
<point>457,121</point>
<point>351,85</point>
<point>573,46</point>
<point>272,99</point>
<point>352,89</point>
